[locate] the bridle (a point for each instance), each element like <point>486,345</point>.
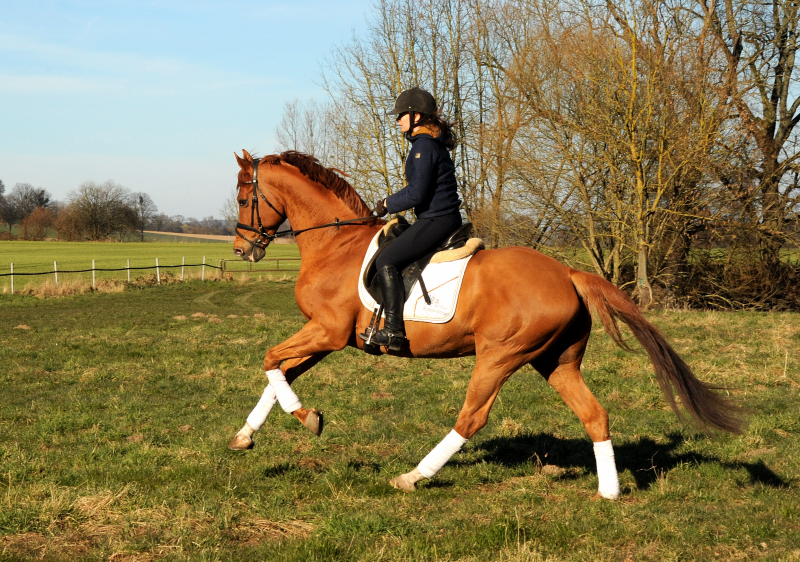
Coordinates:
<point>264,237</point>
<point>256,215</point>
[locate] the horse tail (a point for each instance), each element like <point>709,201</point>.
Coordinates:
<point>707,408</point>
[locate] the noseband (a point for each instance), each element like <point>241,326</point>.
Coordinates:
<point>264,237</point>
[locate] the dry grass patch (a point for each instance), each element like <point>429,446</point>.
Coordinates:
<point>253,531</point>
<point>99,505</point>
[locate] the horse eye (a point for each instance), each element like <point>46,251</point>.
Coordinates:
<point>242,202</point>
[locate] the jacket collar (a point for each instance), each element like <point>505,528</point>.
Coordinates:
<point>411,137</point>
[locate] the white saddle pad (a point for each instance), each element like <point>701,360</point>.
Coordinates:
<point>443,280</point>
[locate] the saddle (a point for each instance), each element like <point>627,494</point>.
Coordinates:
<point>412,273</point>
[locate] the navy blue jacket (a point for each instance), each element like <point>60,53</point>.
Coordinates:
<point>431,175</point>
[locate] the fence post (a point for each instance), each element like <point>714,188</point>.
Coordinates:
<point>203,274</point>
<point>12,278</point>
<point>55,272</point>
<point>158,272</point>
<point>183,263</point>
<point>222,269</point>
<point>93,280</point>
<point>129,270</point>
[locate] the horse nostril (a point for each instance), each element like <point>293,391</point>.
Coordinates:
<point>238,252</point>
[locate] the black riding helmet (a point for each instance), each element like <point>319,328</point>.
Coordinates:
<point>413,101</point>
<point>416,100</point>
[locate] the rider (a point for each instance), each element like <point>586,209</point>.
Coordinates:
<point>433,193</point>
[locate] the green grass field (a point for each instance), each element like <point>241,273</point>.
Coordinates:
<point>116,409</point>
<point>39,257</point>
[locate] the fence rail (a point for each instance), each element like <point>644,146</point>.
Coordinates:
<point>223,267</point>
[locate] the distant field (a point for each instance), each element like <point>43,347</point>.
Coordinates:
<point>39,256</point>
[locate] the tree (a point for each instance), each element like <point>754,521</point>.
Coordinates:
<point>618,133</point>
<point>35,225</point>
<point>3,205</point>
<point>305,127</point>
<point>620,114</point>
<point>758,159</point>
<point>101,210</point>
<point>144,210</point>
<point>22,201</point>
<point>407,45</point>
<point>230,209</point>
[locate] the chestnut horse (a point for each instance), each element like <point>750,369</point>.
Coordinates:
<point>516,307</point>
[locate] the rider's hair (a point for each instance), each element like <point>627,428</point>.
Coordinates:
<point>436,123</point>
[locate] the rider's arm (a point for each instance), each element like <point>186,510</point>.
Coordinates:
<point>420,175</point>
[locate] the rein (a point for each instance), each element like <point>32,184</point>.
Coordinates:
<point>264,237</point>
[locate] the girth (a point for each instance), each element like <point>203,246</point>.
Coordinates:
<point>412,272</point>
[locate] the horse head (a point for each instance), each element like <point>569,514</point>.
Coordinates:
<point>261,210</point>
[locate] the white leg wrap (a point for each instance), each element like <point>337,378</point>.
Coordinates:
<point>259,414</point>
<point>437,458</point>
<point>608,481</point>
<point>286,396</point>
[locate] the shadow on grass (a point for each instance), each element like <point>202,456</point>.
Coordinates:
<point>645,458</point>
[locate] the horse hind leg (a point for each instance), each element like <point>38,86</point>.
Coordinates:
<point>567,380</point>
<point>487,379</point>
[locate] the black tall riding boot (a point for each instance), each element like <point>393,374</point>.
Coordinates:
<point>393,333</point>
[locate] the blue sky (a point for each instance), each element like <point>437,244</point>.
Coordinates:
<point>155,95</point>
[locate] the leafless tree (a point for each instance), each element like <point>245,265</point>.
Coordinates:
<point>144,210</point>
<point>22,201</point>
<point>101,210</point>
<point>759,160</point>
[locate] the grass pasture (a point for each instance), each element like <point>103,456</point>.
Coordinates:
<point>39,257</point>
<point>116,409</point>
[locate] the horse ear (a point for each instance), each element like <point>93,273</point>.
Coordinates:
<point>247,156</point>
<point>241,161</point>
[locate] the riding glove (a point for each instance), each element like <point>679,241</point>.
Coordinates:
<point>380,208</point>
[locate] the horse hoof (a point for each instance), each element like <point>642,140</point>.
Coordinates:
<point>314,421</point>
<point>598,496</point>
<point>241,443</point>
<point>403,483</point>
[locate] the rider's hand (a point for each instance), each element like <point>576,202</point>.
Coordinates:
<point>380,208</point>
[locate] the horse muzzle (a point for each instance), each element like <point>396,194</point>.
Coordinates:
<point>254,253</point>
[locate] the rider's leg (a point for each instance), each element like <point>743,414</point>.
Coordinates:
<point>393,332</point>
<point>421,238</point>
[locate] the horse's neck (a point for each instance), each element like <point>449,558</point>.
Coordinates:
<point>312,205</point>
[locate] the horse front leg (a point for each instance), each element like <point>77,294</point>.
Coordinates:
<point>301,351</point>
<point>295,367</point>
